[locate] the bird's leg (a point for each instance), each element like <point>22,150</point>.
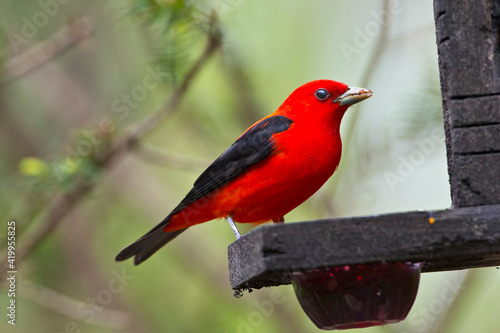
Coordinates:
<point>279,219</point>
<point>229,219</point>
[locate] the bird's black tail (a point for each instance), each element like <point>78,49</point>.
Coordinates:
<point>148,244</point>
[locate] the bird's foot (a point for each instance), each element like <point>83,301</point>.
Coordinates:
<point>279,219</point>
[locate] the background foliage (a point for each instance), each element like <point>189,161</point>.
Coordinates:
<point>122,62</point>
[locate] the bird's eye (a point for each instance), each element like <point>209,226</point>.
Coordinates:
<point>321,94</point>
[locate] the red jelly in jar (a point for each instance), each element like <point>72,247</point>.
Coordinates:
<point>357,296</point>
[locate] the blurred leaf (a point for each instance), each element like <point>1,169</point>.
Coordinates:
<point>34,167</point>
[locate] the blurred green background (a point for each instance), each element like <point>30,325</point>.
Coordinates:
<point>393,160</point>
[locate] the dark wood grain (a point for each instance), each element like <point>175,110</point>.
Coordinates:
<point>476,140</point>
<point>476,179</point>
<point>467,35</point>
<point>475,111</point>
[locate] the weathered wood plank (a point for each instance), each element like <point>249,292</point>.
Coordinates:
<point>475,111</point>
<point>468,43</point>
<point>457,239</point>
<point>467,36</point>
<point>476,180</point>
<point>475,140</point>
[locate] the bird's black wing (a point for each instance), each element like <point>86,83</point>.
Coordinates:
<point>253,146</point>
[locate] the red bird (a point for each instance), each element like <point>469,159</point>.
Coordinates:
<point>273,167</point>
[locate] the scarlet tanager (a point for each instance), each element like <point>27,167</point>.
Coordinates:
<point>273,167</point>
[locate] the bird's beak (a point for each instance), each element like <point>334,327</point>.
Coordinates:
<point>353,95</point>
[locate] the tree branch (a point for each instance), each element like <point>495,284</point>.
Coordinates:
<point>68,306</point>
<point>71,34</point>
<point>214,41</point>
<point>65,202</point>
<point>155,155</point>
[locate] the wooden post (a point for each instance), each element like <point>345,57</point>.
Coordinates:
<point>469,60</point>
